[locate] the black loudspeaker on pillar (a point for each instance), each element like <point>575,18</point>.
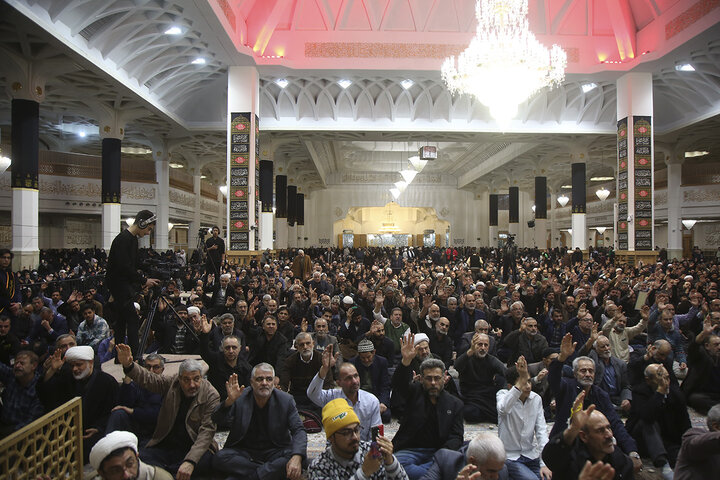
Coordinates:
<point>266,185</point>
<point>291,205</point>
<point>493,210</point>
<point>300,209</point>
<point>514,201</point>
<point>281,210</point>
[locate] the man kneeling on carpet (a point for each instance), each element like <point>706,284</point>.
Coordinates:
<point>348,457</point>
<point>116,456</point>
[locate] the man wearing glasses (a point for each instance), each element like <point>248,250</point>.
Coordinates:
<point>348,457</point>
<point>267,438</point>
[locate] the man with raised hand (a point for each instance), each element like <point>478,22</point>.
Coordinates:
<point>183,438</point>
<point>267,439</point>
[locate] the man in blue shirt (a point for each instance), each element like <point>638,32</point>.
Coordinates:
<point>21,404</point>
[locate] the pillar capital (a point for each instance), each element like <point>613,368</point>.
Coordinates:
<point>25,79</point>
<point>110,122</point>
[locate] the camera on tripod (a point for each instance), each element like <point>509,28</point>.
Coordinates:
<point>162,270</point>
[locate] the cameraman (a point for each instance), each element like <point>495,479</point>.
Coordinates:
<point>215,248</point>
<point>509,262</point>
<point>124,280</point>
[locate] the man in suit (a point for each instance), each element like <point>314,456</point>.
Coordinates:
<point>433,418</point>
<point>611,374</point>
<point>484,454</point>
<point>267,439</point>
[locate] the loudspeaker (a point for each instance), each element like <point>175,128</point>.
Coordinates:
<point>531,224</point>
<point>266,185</point>
<point>281,196</point>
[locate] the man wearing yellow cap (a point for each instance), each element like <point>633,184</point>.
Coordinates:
<point>348,457</point>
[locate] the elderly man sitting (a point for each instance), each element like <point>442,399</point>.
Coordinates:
<point>183,438</point>
<point>116,456</point>
<point>484,457</point>
<point>99,391</point>
<point>267,439</point>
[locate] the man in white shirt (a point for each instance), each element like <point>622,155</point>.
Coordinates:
<point>365,404</point>
<point>522,427</point>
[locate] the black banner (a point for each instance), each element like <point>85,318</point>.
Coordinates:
<point>291,205</point>
<point>281,196</point>
<point>266,185</point>
<point>111,170</point>
<point>493,210</point>
<point>514,213</point>
<point>300,209</point>
<point>25,118</point>
<point>579,189</point>
<point>540,197</point>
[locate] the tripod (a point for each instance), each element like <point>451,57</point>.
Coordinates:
<point>157,297</point>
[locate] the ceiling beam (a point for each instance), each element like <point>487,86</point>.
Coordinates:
<point>317,161</point>
<point>268,28</point>
<point>624,27</point>
<point>496,161</point>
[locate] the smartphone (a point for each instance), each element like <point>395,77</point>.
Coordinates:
<point>374,448</point>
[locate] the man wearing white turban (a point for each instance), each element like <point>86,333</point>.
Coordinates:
<point>116,456</point>
<point>99,391</point>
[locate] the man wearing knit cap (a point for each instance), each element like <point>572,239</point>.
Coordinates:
<point>116,456</point>
<point>374,375</point>
<point>99,391</point>
<point>348,457</point>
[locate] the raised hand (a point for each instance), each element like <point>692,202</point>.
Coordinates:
<point>328,358</point>
<point>578,416</point>
<point>233,389</point>
<point>522,369</point>
<point>124,355</point>
<point>407,348</point>
<point>205,325</point>
<point>597,471</point>
<point>56,361</point>
<point>567,347</point>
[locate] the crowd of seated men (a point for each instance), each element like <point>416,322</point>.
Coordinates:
<point>347,339</point>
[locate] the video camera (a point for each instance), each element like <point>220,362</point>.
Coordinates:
<point>160,269</point>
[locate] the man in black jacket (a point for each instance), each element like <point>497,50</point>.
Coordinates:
<point>124,279</point>
<point>433,418</point>
<point>224,363</point>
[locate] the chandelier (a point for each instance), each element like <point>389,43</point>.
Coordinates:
<point>504,64</point>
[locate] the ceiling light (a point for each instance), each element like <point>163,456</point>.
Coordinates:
<point>601,230</point>
<point>417,163</point>
<point>282,82</point>
<point>589,87</point>
<point>408,175</point>
<point>82,134</point>
<point>199,61</point>
<point>223,189</point>
<point>5,163</point>
<point>689,223</point>
<point>170,226</point>
<point>344,83</point>
<point>696,154</point>
<point>130,221</point>
<point>407,83</point>
<point>173,31</point>
<point>563,200</point>
<point>135,151</point>
<point>603,194</point>
<point>175,165</point>
<point>504,64</point>
<point>203,176</point>
<point>601,179</point>
<point>533,208</point>
<point>395,193</point>
<point>684,67</point>
<point>566,186</point>
<point>401,185</point>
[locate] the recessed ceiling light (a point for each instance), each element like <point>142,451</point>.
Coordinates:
<point>684,67</point>
<point>199,61</point>
<point>82,134</point>
<point>135,150</point>
<point>173,31</point>
<point>407,83</point>
<point>696,154</point>
<point>203,176</point>
<point>588,87</point>
<point>566,186</point>
<point>344,83</point>
<point>282,82</point>
<point>175,165</point>
<point>601,179</point>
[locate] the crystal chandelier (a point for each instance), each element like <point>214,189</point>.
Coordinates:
<point>504,64</point>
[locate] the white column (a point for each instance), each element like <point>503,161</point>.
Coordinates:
<point>541,233</point>
<point>25,237</point>
<point>266,230</point>
<point>554,232</point>
<point>281,227</point>
<point>635,98</point>
<point>195,223</point>
<point>493,236</point>
<point>292,233</point>
<point>110,223</point>
<point>162,173</point>
<point>579,231</point>
<point>243,97</point>
<point>674,207</point>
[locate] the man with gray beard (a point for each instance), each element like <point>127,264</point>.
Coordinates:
<point>620,334</point>
<point>299,368</point>
<point>98,390</point>
<point>481,376</point>
<point>611,374</point>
